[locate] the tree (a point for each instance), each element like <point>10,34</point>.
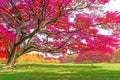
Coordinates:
<point>3,48</point>
<point>93,57</point>
<point>45,25</point>
<point>116,56</point>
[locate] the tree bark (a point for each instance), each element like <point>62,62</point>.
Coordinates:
<point>11,61</point>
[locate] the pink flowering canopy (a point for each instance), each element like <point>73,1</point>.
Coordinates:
<point>57,26</point>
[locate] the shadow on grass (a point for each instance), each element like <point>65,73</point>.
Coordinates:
<point>57,65</point>
<point>59,72</point>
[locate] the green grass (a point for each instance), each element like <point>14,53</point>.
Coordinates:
<point>34,71</point>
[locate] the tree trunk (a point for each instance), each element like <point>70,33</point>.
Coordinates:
<point>11,61</point>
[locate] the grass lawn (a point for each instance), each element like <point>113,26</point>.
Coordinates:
<point>34,71</point>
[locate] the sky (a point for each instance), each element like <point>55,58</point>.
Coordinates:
<point>113,5</point>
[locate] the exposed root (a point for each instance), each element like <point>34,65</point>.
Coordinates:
<point>8,67</point>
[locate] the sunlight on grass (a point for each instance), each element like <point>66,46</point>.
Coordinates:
<point>110,66</point>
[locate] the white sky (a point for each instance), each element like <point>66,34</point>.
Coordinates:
<point>113,5</point>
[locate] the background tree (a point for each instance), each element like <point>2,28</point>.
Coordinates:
<point>116,56</point>
<point>3,49</point>
<point>45,26</point>
<point>93,57</point>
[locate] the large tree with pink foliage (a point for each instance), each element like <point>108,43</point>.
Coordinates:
<point>54,26</point>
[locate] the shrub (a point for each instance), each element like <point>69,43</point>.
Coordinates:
<point>70,58</point>
<point>36,58</point>
<point>116,56</point>
<point>92,56</point>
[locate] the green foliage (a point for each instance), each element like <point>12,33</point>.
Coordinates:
<point>33,71</point>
